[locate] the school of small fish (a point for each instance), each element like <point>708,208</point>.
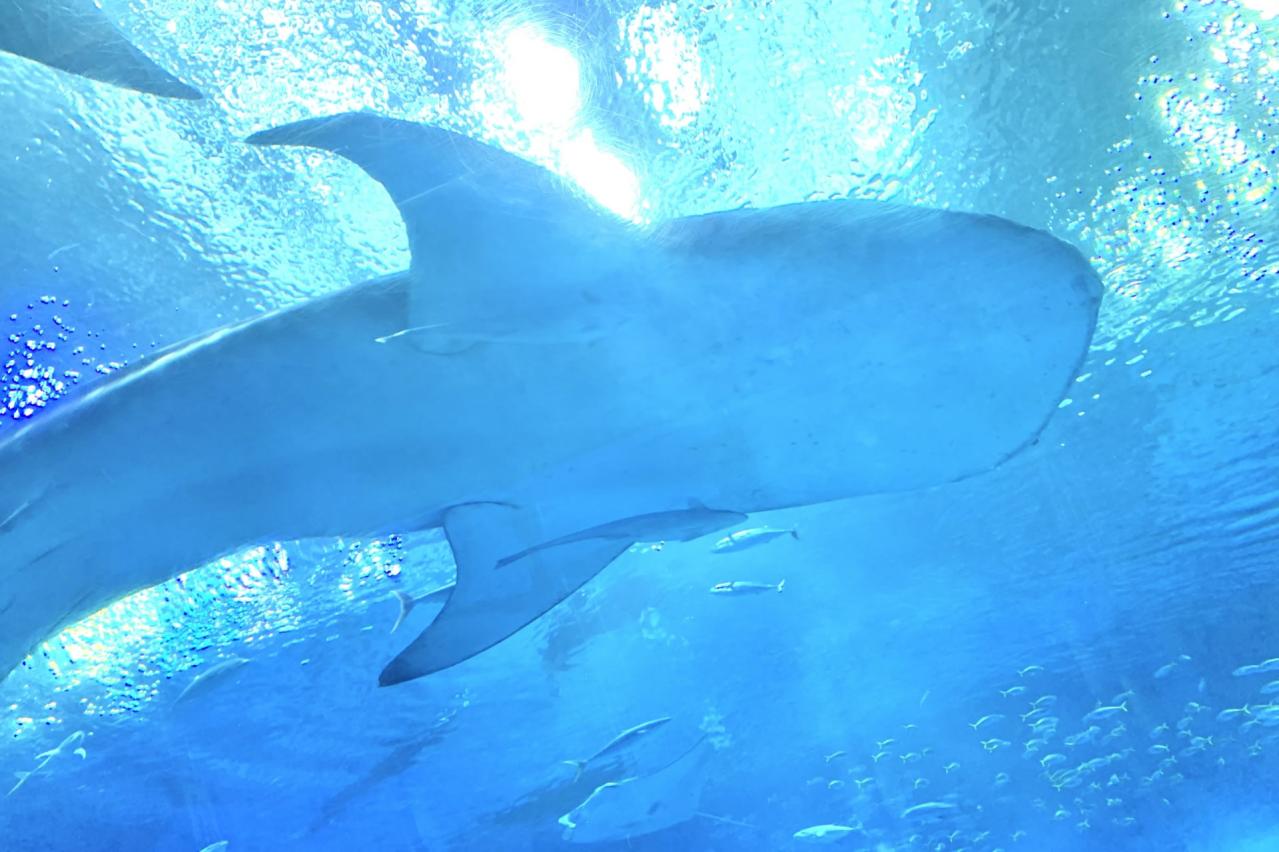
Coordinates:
<point>1108,769</point>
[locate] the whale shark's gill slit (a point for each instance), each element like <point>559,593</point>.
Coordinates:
<point>76,36</point>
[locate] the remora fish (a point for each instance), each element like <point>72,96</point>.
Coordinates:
<point>76,36</point>
<point>746,587</point>
<point>619,742</point>
<point>743,539</point>
<point>936,345</point>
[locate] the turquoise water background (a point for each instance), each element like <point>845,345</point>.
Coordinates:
<point>1143,528</point>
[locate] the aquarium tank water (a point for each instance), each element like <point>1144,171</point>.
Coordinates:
<point>639,425</point>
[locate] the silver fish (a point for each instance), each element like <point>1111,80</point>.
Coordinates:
<point>744,539</point>
<point>745,587</point>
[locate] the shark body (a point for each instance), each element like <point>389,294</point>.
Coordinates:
<point>76,36</point>
<point>565,372</point>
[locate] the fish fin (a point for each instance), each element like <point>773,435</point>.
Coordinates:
<point>579,766</point>
<point>781,586</point>
<point>78,37</point>
<point>45,755</point>
<point>22,779</point>
<point>81,753</point>
<point>794,533</point>
<point>11,519</point>
<point>538,261</point>
<point>488,605</point>
<point>724,820</point>
<point>407,602</point>
<point>440,594</point>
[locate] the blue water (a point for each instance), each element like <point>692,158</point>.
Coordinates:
<point>1141,531</point>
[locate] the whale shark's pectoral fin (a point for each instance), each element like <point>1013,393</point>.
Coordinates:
<point>75,36</point>
<point>488,605</point>
<point>503,251</point>
<point>81,753</point>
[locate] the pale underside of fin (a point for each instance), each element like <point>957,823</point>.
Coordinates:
<point>76,36</point>
<point>488,605</point>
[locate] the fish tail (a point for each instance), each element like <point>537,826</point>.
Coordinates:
<point>22,779</point>
<point>406,606</point>
<point>794,533</point>
<point>781,585</point>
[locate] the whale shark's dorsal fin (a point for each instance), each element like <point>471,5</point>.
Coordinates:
<point>75,36</point>
<point>487,605</point>
<point>531,252</point>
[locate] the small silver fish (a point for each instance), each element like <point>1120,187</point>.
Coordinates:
<point>1165,670</point>
<point>745,587</point>
<point>209,679</point>
<point>743,539</point>
<point>1105,712</point>
<point>986,720</point>
<point>73,744</point>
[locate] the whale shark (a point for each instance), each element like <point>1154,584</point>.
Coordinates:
<point>543,370</point>
<point>76,36</point>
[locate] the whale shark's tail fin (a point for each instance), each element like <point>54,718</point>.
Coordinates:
<point>75,36</point>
